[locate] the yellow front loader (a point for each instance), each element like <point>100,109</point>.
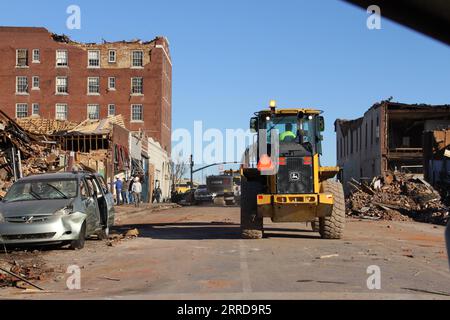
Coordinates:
<point>281,175</point>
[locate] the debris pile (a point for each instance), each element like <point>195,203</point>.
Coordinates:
<point>23,153</point>
<point>22,273</point>
<point>398,197</point>
<point>115,238</point>
<point>45,126</point>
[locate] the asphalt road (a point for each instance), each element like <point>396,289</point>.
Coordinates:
<point>196,253</point>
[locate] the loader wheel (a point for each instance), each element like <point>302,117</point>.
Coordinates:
<point>315,225</point>
<point>332,227</point>
<point>251,224</point>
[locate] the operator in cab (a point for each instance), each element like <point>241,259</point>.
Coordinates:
<point>288,135</point>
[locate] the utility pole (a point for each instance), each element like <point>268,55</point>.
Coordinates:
<point>191,164</point>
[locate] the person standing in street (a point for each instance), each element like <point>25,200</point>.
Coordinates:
<point>119,186</point>
<point>158,194</point>
<point>130,191</point>
<point>137,189</point>
<point>125,187</point>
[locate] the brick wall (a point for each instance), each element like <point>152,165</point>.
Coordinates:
<point>156,73</point>
<point>358,146</point>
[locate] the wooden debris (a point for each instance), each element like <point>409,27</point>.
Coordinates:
<point>329,256</point>
<point>26,147</point>
<point>398,197</point>
<point>18,284</point>
<point>39,125</point>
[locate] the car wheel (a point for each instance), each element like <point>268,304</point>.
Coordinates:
<point>79,243</point>
<point>104,234</point>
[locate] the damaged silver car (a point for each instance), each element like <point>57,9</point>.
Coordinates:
<point>58,208</point>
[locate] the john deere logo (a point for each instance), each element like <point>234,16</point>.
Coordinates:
<point>294,176</point>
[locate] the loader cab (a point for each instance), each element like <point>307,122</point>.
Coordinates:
<point>298,132</point>
<point>295,128</point>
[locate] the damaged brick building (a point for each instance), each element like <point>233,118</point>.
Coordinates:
<point>50,76</point>
<point>389,137</point>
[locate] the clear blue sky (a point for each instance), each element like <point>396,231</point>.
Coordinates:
<point>231,57</point>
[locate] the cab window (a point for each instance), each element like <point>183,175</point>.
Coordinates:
<point>287,127</point>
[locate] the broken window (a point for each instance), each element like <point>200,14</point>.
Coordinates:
<point>36,56</point>
<point>371,132</point>
<point>61,111</point>
<point>62,59</point>
<point>35,109</point>
<point>94,58</point>
<point>348,144</point>
<point>93,111</point>
<point>345,146</point>
<point>136,112</point>
<point>137,85</point>
<point>112,56</point>
<point>112,83</point>
<point>22,57</point>
<point>406,130</point>
<point>21,84</point>
<point>366,135</point>
<point>61,85</point>
<point>337,148</point>
<point>377,131</point>
<point>351,142</point>
<point>111,109</point>
<point>21,110</point>
<point>360,138</point>
<point>94,85</point>
<point>137,59</point>
<point>35,83</point>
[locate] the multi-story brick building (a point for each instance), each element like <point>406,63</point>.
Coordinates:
<point>51,76</point>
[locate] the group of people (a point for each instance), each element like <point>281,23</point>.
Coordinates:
<point>128,191</point>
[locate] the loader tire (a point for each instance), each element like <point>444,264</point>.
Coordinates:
<point>251,224</point>
<point>332,227</point>
<point>315,225</point>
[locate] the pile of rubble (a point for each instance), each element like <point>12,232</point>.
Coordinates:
<point>399,197</point>
<point>114,238</point>
<point>23,153</point>
<point>25,271</point>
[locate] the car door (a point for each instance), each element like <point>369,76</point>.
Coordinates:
<point>101,201</point>
<point>90,204</point>
<point>109,199</point>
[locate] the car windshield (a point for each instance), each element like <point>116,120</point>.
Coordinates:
<point>42,190</point>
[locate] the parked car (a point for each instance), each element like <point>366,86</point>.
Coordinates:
<point>222,187</point>
<point>63,208</point>
<point>187,198</point>
<point>202,194</point>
